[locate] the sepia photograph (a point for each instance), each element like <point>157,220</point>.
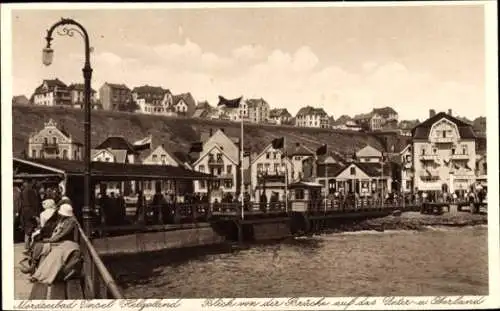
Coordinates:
<point>249,150</point>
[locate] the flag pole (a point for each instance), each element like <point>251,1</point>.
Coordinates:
<point>286,174</point>
<point>326,183</point>
<point>241,163</point>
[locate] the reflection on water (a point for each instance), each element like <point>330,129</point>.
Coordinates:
<point>433,262</point>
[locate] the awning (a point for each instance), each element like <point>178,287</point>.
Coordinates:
<point>106,171</point>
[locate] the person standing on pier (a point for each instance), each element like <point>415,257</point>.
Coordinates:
<point>30,208</point>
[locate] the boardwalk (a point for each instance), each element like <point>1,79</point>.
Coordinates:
<point>22,285</point>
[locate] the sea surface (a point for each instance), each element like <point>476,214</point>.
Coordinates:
<point>438,261</point>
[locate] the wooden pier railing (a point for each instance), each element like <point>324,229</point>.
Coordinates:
<point>97,281</point>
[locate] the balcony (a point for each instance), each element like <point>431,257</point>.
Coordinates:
<point>428,157</point>
<point>50,147</point>
<point>444,140</point>
<point>215,162</point>
<point>461,156</point>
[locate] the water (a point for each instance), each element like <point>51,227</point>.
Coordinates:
<point>432,262</point>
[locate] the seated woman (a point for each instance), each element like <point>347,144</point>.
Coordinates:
<point>57,249</point>
<point>49,208</point>
<point>63,225</point>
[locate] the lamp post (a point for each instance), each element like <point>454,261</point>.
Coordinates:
<point>48,54</point>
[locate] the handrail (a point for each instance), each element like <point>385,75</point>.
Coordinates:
<point>95,272</point>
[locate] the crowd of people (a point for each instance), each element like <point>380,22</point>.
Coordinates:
<point>50,233</point>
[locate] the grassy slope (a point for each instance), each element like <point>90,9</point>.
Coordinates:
<point>175,133</point>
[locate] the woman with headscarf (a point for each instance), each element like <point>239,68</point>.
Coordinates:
<point>49,208</point>
<point>58,249</point>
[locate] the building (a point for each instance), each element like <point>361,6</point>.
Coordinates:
<point>387,114</point>
<point>52,93</point>
<point>311,117</point>
<point>20,100</point>
<point>77,94</point>
<point>152,99</point>
<point>346,123</point>
<point>482,170</point>
<point>405,127</point>
<point>369,121</point>
<point>232,109</point>
<point>270,164</point>
<point>444,153</point>
<point>115,96</point>
<point>257,110</point>
<point>280,116</point>
<point>54,143</point>
<point>184,104</point>
<point>116,149</point>
<point>298,154</point>
<point>407,172</point>
<point>160,156</point>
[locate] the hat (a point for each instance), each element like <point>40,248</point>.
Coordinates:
<point>49,203</point>
<point>66,210</point>
<point>64,200</point>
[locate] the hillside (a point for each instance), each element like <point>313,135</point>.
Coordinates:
<point>175,133</point>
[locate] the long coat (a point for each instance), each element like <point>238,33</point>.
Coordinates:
<point>30,209</point>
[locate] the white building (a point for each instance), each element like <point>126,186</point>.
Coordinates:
<point>54,143</point>
<point>52,93</point>
<point>444,146</point>
<point>312,117</point>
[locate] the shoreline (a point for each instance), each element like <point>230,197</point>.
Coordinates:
<point>412,221</point>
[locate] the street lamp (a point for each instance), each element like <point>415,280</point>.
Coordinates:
<point>48,55</point>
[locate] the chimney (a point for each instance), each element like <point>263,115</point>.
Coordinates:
<point>432,113</point>
<point>449,112</point>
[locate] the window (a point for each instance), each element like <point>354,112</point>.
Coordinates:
<point>276,167</point>
<point>452,150</point>
<point>46,140</point>
<point>203,184</point>
<point>229,169</point>
<point>464,149</point>
<point>107,159</point>
<point>434,150</point>
<point>267,165</point>
<point>444,134</point>
<point>155,157</point>
<point>163,158</point>
<point>75,155</point>
<point>268,155</point>
<point>228,183</point>
<point>33,153</point>
<point>65,154</point>
<point>219,157</point>
<point>299,194</point>
<point>408,184</point>
<point>201,168</point>
<point>408,158</point>
<point>423,150</point>
<point>260,167</point>
<point>353,170</point>
<point>54,140</point>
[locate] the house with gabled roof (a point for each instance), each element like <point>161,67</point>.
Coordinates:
<point>311,117</point>
<point>443,146</point>
<point>280,116</point>
<point>257,110</point>
<point>152,99</point>
<point>119,143</point>
<point>184,104</point>
<point>270,163</point>
<point>232,109</point>
<point>52,92</point>
<point>369,154</point>
<point>53,142</point>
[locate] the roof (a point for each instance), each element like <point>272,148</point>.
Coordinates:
<point>116,143</point>
<point>368,151</point>
<point>147,89</point>
<point>385,111</point>
<point>200,113</point>
<point>333,169</point>
<point>51,83</point>
<point>115,171</point>
<point>229,103</point>
<point>374,169</point>
<point>299,149</point>
<point>279,112</point>
<point>422,130</point>
<point>408,124</point>
<point>363,116</point>
<point>252,103</point>
<point>120,155</point>
<point>308,110</point>
<point>188,99</point>
<point>117,86</point>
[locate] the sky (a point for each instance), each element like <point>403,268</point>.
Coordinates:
<point>347,60</point>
